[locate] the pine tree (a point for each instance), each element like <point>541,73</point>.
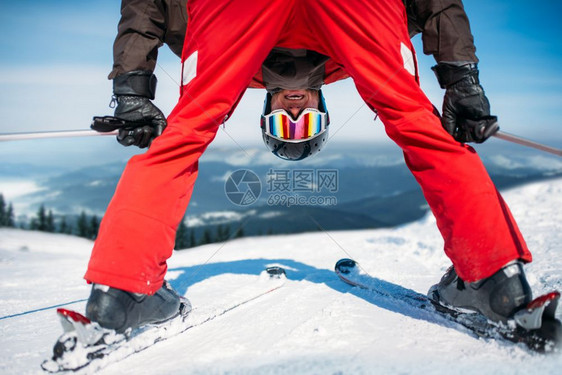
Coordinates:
<point>181,237</point>
<point>10,220</point>
<point>227,232</point>
<point>192,240</point>
<point>239,233</point>
<point>2,211</point>
<point>33,224</point>
<point>222,233</point>
<point>63,226</point>
<point>50,222</point>
<point>207,238</point>
<point>94,227</point>
<point>41,219</point>
<point>82,224</point>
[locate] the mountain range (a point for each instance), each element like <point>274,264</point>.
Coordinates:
<point>348,187</point>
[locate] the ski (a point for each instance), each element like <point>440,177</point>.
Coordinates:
<point>535,326</point>
<point>85,345</point>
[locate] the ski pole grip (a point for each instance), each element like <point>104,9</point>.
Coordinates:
<point>106,124</point>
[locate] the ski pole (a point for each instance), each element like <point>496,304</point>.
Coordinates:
<point>525,142</point>
<point>51,134</point>
<point>101,125</point>
<point>88,133</point>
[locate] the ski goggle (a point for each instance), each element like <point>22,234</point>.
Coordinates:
<point>279,124</point>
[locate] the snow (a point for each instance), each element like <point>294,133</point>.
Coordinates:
<point>215,217</point>
<point>315,324</point>
<point>14,188</point>
<point>539,162</point>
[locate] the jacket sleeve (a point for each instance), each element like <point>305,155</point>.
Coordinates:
<point>445,29</point>
<point>143,28</point>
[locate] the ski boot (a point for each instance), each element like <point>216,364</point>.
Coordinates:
<point>120,310</point>
<point>497,297</point>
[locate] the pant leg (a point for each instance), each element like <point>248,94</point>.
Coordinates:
<point>225,45</point>
<point>370,40</point>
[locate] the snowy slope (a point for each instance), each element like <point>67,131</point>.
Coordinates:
<point>313,325</point>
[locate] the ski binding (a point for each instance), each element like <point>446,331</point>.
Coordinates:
<point>84,342</point>
<point>535,325</point>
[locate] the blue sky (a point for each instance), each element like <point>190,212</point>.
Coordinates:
<point>56,56</point>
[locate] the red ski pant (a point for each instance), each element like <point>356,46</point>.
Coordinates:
<point>225,45</point>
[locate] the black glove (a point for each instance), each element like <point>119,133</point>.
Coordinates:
<point>466,109</point>
<point>143,120</point>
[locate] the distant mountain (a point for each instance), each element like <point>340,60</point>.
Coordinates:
<point>280,220</point>
<point>13,170</point>
<point>411,205</point>
<point>373,187</point>
<point>88,189</point>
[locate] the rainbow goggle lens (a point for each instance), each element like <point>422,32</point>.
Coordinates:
<point>279,124</point>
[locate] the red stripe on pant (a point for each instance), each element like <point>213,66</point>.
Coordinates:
<point>137,233</point>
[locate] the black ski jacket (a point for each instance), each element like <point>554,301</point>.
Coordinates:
<point>146,25</point>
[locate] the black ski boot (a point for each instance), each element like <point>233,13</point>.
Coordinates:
<point>497,297</point>
<point>119,310</point>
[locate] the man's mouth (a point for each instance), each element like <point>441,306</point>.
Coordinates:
<point>294,97</point>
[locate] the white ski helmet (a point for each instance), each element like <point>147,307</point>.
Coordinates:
<point>295,139</point>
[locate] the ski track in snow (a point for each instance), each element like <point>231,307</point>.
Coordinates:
<point>315,324</point>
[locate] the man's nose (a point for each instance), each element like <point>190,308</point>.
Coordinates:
<point>294,112</point>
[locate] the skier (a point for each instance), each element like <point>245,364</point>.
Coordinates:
<point>292,48</point>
